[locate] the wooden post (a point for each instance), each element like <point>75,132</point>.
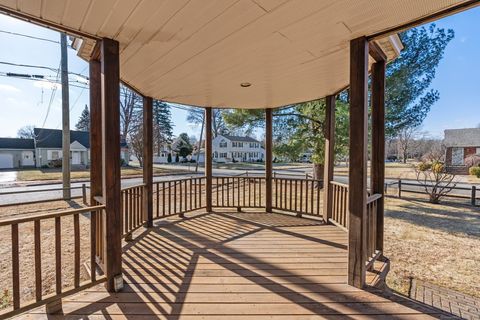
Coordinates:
<point>84,194</point>
<point>329,158</point>
<point>378,144</point>
<point>400,189</point>
<point>111,160</point>
<point>474,196</point>
<point>208,158</point>
<point>148,159</point>
<point>268,159</point>
<point>357,203</point>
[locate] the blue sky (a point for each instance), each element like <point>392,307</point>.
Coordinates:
<point>25,102</point>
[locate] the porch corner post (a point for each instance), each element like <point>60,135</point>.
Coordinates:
<point>357,178</point>
<point>208,158</point>
<point>95,130</point>
<point>329,158</point>
<point>148,159</point>
<point>378,145</point>
<point>111,178</point>
<point>268,159</point>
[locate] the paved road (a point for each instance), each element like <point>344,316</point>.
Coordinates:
<point>39,195</point>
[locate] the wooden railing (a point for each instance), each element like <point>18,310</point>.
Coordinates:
<point>238,192</point>
<point>178,196</point>
<point>297,195</point>
<point>340,204</point>
<point>132,208</point>
<point>30,247</point>
<point>372,205</point>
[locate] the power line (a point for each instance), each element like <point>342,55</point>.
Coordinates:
<point>42,67</point>
<point>28,36</point>
<point>52,96</point>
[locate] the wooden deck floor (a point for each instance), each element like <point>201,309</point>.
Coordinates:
<point>236,266</point>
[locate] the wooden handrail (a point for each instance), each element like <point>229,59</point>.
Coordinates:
<point>10,221</point>
<point>336,183</point>
<point>374,197</point>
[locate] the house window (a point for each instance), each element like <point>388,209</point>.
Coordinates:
<point>478,152</point>
<point>54,155</point>
<point>457,156</point>
<point>223,144</point>
<point>234,144</point>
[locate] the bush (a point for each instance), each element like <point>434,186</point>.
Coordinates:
<point>424,166</point>
<point>177,158</point>
<point>474,171</point>
<point>169,158</point>
<point>55,163</point>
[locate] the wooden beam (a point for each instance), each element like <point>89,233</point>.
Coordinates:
<point>329,157</point>
<point>208,158</point>
<point>95,130</point>
<point>357,192</point>
<point>111,161</point>
<point>268,159</point>
<point>377,174</point>
<point>148,159</point>
<point>376,52</point>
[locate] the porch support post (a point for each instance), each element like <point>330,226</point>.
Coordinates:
<point>329,157</point>
<point>111,160</point>
<point>268,159</point>
<point>378,144</point>
<point>148,159</point>
<point>357,202</point>
<point>95,131</point>
<point>208,158</point>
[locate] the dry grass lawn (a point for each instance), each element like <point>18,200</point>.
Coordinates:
<point>56,174</point>
<point>435,243</point>
<point>393,170</point>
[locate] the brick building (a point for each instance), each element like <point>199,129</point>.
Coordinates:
<point>460,144</point>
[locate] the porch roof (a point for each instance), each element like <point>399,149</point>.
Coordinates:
<point>201,52</point>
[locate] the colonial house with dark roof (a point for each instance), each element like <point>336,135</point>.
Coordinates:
<point>45,150</point>
<point>236,148</point>
<point>16,153</point>
<point>460,145</point>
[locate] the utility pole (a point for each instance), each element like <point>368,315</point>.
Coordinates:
<point>65,119</point>
<point>200,144</point>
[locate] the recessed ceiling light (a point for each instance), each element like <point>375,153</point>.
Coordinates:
<point>245,84</point>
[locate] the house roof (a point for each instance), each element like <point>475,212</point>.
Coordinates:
<point>52,138</point>
<point>16,143</point>
<point>200,52</point>
<point>240,139</point>
<point>469,137</point>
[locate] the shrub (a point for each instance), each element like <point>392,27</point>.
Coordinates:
<point>424,166</point>
<point>474,171</point>
<point>169,158</point>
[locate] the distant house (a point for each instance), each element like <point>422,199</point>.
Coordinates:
<point>460,144</point>
<point>46,149</point>
<point>235,148</point>
<point>16,153</point>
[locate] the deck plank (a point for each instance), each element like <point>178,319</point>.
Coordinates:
<point>236,266</point>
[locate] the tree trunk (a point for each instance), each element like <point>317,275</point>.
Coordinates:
<point>318,173</point>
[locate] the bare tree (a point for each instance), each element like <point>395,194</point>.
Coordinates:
<point>136,144</point>
<point>26,132</point>
<point>130,111</point>
<point>431,174</point>
<point>407,139</point>
<point>219,127</point>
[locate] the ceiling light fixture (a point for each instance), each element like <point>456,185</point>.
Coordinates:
<point>245,84</point>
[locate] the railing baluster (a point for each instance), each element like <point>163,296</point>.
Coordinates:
<point>38,261</point>
<point>93,244</point>
<point>76,233</point>
<point>15,267</point>
<point>58,256</point>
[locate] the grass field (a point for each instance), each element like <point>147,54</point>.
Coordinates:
<point>56,174</point>
<point>437,243</point>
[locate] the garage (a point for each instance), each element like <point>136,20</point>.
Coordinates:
<point>6,161</point>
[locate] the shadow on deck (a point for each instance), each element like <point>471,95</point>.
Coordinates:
<point>237,266</point>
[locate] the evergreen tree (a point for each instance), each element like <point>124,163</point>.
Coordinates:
<point>182,145</point>
<point>83,123</point>
<point>162,125</point>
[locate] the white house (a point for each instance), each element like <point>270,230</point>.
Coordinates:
<point>235,148</point>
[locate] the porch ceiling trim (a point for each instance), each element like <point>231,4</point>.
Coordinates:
<point>200,52</point>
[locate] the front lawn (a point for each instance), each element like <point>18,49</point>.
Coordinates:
<point>439,244</point>
<point>56,174</point>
